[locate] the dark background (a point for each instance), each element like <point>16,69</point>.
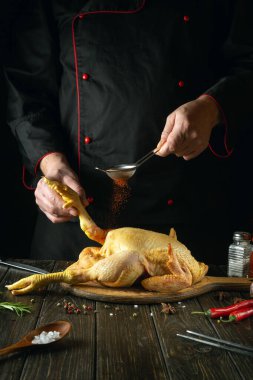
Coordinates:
<point>17,204</point>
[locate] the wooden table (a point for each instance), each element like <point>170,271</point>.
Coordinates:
<point>120,341</point>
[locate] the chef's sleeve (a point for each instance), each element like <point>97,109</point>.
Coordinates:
<point>32,75</point>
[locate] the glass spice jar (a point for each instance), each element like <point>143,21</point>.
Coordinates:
<point>251,264</point>
<point>239,253</point>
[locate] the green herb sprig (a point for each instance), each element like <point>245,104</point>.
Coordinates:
<point>18,307</point>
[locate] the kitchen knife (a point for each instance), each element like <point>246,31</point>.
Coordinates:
<point>26,267</point>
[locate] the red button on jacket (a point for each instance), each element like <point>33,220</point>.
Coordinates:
<point>87,140</point>
<point>85,76</point>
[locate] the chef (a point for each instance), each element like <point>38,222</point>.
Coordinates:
<point>97,83</point>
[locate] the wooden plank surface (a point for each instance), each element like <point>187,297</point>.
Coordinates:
<point>13,327</point>
<point>73,359</point>
<point>185,359</point>
<point>241,332</point>
<point>127,344</point>
<point>121,341</point>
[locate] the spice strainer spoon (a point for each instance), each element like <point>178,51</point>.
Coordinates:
<point>63,327</point>
<point>126,171</point>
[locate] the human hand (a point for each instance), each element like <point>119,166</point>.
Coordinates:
<point>55,167</point>
<point>187,130</point>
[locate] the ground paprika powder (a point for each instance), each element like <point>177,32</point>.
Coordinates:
<point>120,194</point>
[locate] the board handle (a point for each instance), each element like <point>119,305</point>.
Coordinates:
<point>231,283</point>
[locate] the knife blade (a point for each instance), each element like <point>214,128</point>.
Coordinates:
<point>26,267</point>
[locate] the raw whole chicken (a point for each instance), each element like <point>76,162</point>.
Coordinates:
<point>126,255</point>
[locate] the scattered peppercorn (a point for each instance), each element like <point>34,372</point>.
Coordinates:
<point>88,307</point>
<point>70,307</point>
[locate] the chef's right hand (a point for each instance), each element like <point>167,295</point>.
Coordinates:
<point>188,129</point>
<point>55,166</point>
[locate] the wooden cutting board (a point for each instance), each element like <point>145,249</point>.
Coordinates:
<point>138,295</point>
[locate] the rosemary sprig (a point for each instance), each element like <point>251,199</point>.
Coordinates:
<point>18,307</point>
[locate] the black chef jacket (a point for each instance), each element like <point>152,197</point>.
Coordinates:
<point>96,80</point>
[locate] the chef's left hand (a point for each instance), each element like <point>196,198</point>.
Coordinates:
<point>188,129</point>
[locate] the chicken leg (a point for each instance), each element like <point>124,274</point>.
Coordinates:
<point>72,199</point>
<point>121,269</point>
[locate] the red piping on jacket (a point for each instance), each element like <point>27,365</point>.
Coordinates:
<point>76,67</point>
<point>228,151</point>
<point>23,180</point>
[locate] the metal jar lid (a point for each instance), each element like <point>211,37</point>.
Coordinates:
<point>241,235</point>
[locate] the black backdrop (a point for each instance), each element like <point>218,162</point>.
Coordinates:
<point>18,208</point>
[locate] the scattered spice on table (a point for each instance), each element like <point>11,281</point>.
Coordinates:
<point>71,308</point>
<point>167,308</point>
<point>88,307</point>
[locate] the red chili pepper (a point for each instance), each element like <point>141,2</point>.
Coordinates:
<point>224,311</point>
<point>239,315</point>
